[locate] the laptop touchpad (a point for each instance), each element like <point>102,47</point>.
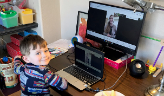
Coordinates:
<point>71,78</point>
<point>62,73</point>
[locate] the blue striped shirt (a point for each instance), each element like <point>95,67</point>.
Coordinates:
<point>35,79</point>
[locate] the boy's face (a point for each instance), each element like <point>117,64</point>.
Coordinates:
<point>39,56</point>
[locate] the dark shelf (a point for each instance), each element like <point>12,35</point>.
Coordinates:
<point>20,28</point>
<point>3,52</point>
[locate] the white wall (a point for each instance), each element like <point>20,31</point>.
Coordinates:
<point>35,6</point>
<point>69,10</point>
<point>51,20</point>
<point>47,15</point>
<point>153,27</point>
<point>148,49</point>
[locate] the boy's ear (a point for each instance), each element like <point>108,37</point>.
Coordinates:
<point>25,58</point>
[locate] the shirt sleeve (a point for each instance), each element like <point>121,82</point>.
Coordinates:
<point>55,80</point>
<point>18,67</point>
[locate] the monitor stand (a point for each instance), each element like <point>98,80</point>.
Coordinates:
<point>112,53</point>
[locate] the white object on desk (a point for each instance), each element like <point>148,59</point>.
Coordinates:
<point>123,58</point>
<point>61,43</point>
<point>108,93</point>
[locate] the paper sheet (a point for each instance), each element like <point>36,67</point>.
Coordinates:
<point>61,43</point>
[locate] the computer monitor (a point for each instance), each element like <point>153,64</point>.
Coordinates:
<point>116,27</point>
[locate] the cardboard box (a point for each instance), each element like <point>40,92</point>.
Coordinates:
<point>118,63</point>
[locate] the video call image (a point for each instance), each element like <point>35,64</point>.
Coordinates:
<point>110,28</point>
<point>113,24</point>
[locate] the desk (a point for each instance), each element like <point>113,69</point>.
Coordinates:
<point>127,85</point>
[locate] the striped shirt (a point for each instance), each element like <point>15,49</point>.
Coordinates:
<point>35,79</point>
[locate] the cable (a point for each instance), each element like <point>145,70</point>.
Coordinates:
<point>69,58</point>
<point>120,75</point>
<point>88,88</point>
<point>104,77</point>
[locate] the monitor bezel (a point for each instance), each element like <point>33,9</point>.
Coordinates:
<point>115,46</point>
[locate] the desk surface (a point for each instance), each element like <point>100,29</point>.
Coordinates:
<point>127,85</point>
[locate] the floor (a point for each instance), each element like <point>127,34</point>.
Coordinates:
<point>18,93</point>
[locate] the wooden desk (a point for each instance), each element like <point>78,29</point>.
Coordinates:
<point>127,85</point>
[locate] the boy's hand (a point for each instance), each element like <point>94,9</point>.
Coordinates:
<point>65,83</point>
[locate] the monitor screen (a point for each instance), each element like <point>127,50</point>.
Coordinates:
<point>113,26</point>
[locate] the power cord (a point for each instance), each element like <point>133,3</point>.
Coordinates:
<point>104,77</point>
<point>88,88</point>
<point>103,80</point>
<point>70,60</point>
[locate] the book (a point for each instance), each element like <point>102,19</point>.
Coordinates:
<point>57,51</point>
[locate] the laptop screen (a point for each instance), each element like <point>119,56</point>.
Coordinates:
<point>89,59</point>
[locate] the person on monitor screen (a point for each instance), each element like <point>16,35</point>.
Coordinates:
<point>110,28</point>
<point>82,33</point>
<point>35,76</point>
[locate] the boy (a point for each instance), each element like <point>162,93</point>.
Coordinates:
<point>35,77</point>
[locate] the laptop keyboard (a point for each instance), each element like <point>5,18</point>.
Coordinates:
<point>81,75</point>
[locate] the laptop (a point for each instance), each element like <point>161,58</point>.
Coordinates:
<point>88,67</point>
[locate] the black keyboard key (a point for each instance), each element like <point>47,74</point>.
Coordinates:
<point>80,74</point>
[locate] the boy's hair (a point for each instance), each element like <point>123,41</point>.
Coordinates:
<point>30,42</point>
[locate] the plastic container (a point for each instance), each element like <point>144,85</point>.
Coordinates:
<point>4,1</point>
<point>1,23</point>
<point>13,50</point>
<point>15,38</point>
<point>9,18</point>
<point>26,16</point>
<point>15,8</point>
<point>27,32</point>
<point>21,34</point>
